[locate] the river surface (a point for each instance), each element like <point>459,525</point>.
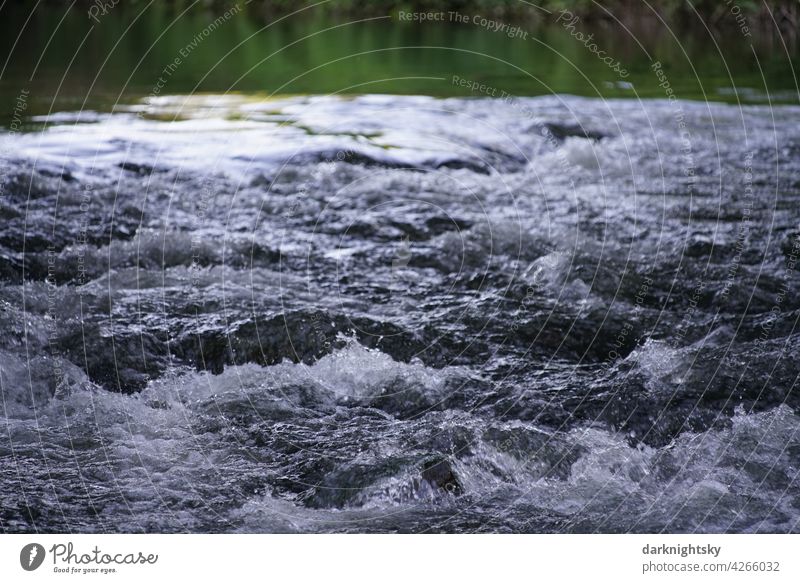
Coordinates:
<point>235,312</point>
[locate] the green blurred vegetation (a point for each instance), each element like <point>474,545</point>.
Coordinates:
<point>69,62</point>
<point>708,10</point>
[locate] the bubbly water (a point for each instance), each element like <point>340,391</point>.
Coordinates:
<point>405,314</point>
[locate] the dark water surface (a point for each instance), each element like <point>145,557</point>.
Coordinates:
<point>393,313</point>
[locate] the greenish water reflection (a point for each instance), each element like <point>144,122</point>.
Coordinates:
<point>63,58</point>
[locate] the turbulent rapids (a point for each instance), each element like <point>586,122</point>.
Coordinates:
<point>401,314</point>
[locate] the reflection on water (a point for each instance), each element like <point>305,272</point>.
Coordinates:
<point>159,48</point>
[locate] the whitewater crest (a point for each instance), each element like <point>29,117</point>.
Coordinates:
<point>400,314</point>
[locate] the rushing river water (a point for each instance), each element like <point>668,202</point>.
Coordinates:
<point>402,314</point>
<point>386,313</point>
